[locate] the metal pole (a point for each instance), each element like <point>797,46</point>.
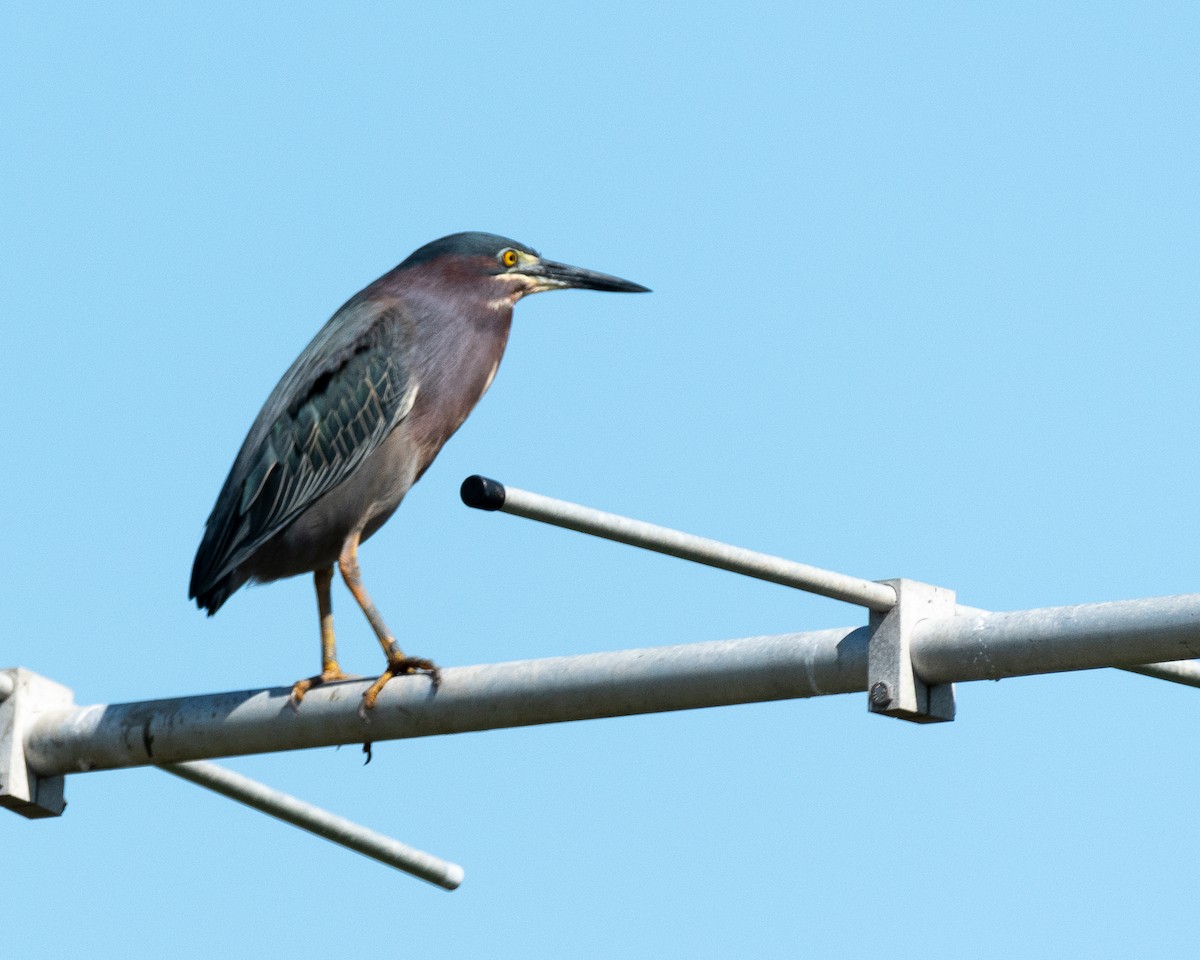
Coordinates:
<point>485,494</point>
<point>330,826</point>
<point>991,646</point>
<point>972,647</point>
<point>486,697</point>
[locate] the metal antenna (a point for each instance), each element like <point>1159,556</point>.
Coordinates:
<point>917,644</point>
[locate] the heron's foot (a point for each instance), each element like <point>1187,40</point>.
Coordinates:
<point>399,667</point>
<point>331,673</point>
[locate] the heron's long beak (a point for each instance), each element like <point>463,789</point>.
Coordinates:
<point>562,276</point>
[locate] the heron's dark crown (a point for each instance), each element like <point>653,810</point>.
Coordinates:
<point>470,244</point>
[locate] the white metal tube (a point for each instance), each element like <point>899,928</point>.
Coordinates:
<point>470,698</point>
<point>991,646</point>
<point>330,826</point>
<point>966,647</point>
<point>485,494</point>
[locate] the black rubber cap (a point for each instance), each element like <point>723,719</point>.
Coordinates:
<point>482,493</point>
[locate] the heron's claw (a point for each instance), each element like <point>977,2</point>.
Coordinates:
<point>398,667</point>
<point>301,687</point>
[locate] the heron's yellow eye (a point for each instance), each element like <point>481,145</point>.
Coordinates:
<point>509,257</point>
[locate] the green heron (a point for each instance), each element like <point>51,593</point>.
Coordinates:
<point>359,417</point>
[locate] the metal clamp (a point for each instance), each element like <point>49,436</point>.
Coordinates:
<point>893,688</point>
<point>22,694</point>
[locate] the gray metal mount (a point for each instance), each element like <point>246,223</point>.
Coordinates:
<point>22,694</point>
<point>893,687</point>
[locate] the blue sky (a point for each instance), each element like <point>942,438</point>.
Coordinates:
<point>925,305</point>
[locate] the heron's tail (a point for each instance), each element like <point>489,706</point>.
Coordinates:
<point>211,597</point>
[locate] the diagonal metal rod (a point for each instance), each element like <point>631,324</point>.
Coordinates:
<point>483,493</point>
<point>1186,672</point>
<point>330,826</point>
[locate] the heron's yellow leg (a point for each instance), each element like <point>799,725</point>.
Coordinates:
<point>330,670</point>
<point>398,664</point>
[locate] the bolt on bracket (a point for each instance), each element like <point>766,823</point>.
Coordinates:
<point>22,694</point>
<point>893,688</point>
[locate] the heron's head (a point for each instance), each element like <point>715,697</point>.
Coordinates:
<point>505,270</point>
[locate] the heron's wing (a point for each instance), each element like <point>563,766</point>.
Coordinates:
<point>341,397</point>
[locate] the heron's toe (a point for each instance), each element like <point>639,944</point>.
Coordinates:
<point>328,675</point>
<point>399,667</point>
<point>421,665</point>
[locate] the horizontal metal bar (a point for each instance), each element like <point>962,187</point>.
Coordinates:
<point>485,494</point>
<point>484,697</point>
<point>330,826</point>
<point>1186,672</point>
<point>991,646</point>
<point>966,647</point>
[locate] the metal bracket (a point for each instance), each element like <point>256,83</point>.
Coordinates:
<point>23,694</point>
<point>893,688</point>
